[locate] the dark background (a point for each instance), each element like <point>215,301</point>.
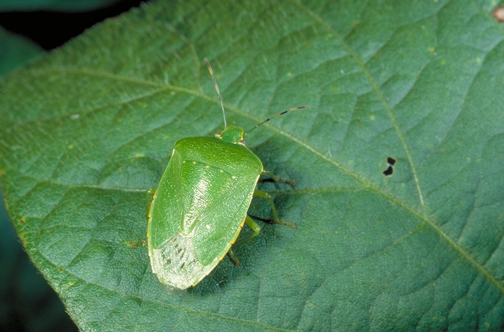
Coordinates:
<point>51,29</point>
<point>27,302</point>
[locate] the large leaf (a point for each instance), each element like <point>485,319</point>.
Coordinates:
<point>90,129</point>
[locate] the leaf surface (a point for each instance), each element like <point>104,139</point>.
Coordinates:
<point>90,128</point>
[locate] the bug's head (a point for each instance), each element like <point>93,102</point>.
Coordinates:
<point>231,134</point>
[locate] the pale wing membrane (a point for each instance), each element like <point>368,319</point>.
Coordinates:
<point>175,263</point>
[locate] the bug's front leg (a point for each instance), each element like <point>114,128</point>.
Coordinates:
<point>256,228</point>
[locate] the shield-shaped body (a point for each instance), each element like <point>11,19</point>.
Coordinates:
<point>199,207</point>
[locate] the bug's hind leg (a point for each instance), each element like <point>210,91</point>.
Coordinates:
<point>276,220</point>
<point>233,258</point>
<point>256,228</point>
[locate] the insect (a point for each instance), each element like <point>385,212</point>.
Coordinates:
<point>201,203</point>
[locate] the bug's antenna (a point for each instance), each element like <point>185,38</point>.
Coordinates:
<point>276,116</point>
<point>216,89</point>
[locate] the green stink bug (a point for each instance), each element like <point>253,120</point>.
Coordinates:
<point>201,203</point>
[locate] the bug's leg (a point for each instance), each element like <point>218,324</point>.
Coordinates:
<point>277,179</point>
<point>255,227</point>
<point>233,258</point>
<point>263,194</point>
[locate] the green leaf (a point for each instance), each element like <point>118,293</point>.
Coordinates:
<point>90,128</point>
